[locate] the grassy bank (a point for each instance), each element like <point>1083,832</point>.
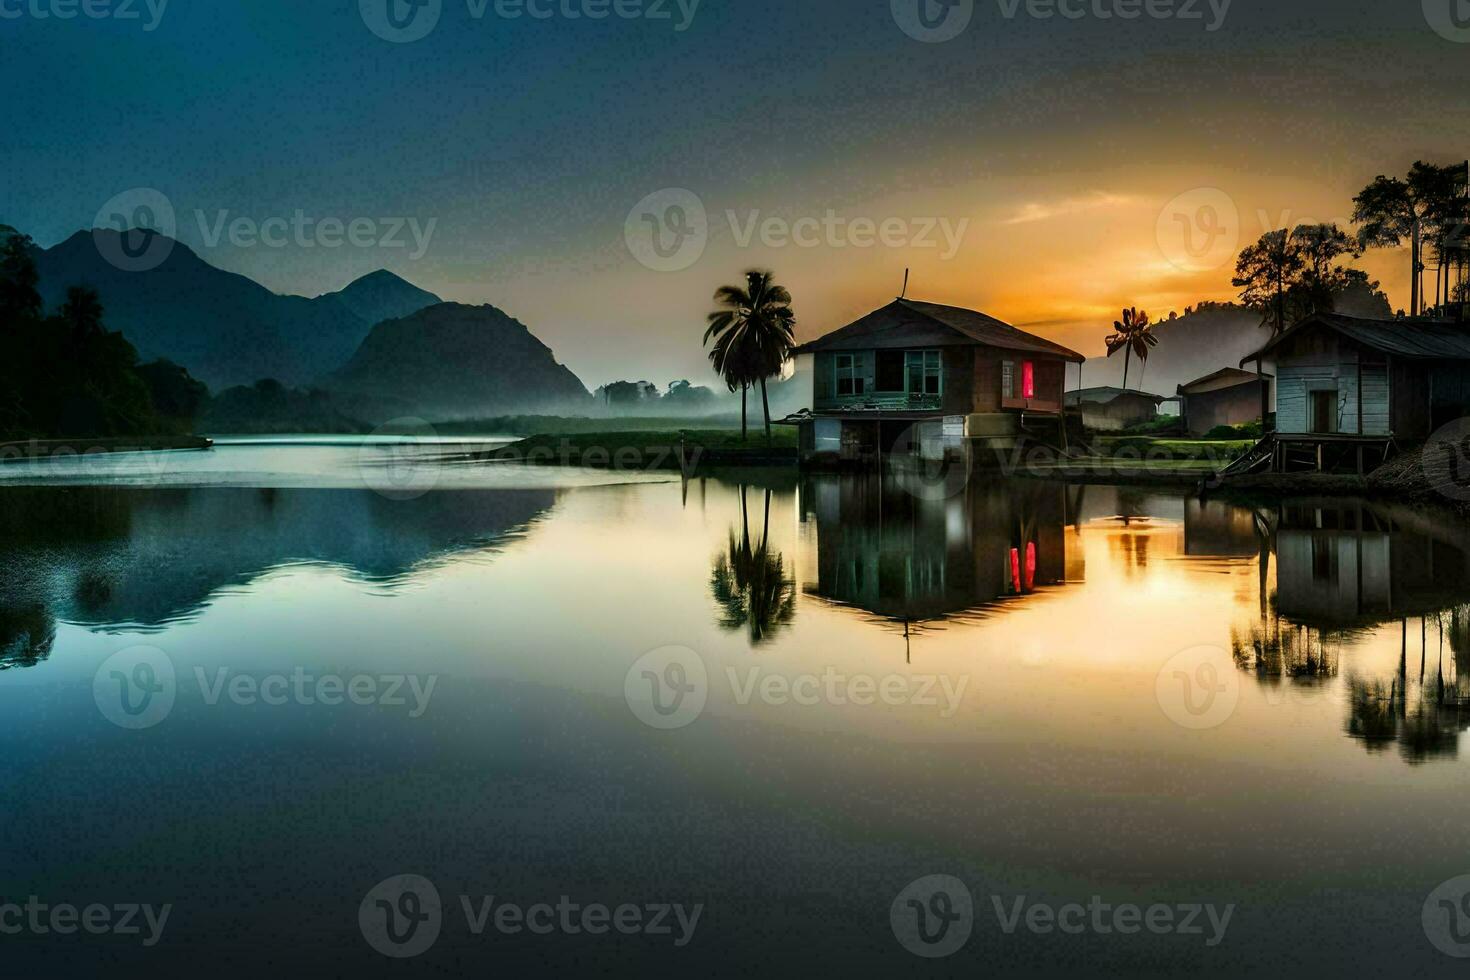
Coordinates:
<point>555,425</point>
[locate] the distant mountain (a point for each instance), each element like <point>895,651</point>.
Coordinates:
<point>1204,340</point>
<point>381,296</point>
<point>225,328</point>
<point>455,361</point>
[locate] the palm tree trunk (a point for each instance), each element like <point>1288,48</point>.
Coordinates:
<point>743,389</point>
<point>1127,356</point>
<point>1416,283</point>
<point>766,406</point>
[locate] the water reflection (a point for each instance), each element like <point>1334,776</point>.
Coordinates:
<point>1345,570</point>
<point>906,558</point>
<point>749,580</point>
<point>114,558</point>
<point>1329,578</point>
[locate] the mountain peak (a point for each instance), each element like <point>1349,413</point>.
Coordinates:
<point>383,295</point>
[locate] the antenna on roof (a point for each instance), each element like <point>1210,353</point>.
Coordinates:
<point>905,285</point>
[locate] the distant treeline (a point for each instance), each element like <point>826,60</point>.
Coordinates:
<point>644,398</point>
<point>65,375</point>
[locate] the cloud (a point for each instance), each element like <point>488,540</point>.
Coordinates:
<point>1034,211</point>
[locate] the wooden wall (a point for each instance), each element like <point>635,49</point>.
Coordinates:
<point>1321,361</point>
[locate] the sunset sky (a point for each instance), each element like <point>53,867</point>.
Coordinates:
<point>1063,148</point>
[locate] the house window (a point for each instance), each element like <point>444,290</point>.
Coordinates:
<point>924,369</point>
<point>1007,379</point>
<point>1028,380</point>
<point>849,377</point>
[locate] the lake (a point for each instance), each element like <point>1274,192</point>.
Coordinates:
<point>368,708</point>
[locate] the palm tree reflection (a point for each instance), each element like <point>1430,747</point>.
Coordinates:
<point>749,581</point>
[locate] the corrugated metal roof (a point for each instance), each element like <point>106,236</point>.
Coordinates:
<point>1220,380</point>
<point>1413,338</point>
<point>1106,395</point>
<point>908,323</point>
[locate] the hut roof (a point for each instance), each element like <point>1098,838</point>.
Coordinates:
<point>1411,338</point>
<point>1220,380</point>
<point>907,323</point>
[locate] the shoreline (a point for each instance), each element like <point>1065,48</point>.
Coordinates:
<point>33,449</point>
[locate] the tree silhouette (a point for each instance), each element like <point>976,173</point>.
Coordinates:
<point>1134,336</point>
<point>752,337</point>
<point>750,584</point>
<point>1391,210</point>
<point>68,376</point>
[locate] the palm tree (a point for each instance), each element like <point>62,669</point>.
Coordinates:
<point>82,312</point>
<point>749,582</point>
<point>753,337</point>
<point>1134,336</point>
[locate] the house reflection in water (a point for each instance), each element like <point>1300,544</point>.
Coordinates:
<point>921,555</point>
<point>1345,570</point>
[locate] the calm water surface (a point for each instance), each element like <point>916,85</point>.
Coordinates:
<point>782,699</point>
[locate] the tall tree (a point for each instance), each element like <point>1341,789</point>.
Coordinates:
<point>82,314</point>
<point>1392,210</point>
<point>753,336</point>
<point>1134,336</point>
<point>1265,272</point>
<point>19,297</point>
<point>1321,277</point>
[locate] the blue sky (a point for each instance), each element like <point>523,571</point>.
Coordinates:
<point>527,142</point>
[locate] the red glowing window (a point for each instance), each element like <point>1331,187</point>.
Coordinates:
<point>1028,380</point>
<point>1030,566</point>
